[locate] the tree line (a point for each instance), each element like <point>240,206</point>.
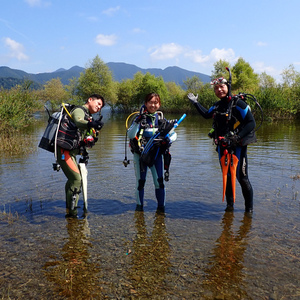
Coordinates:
<point>277,100</point>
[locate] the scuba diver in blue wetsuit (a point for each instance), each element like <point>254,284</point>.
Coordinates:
<point>148,122</point>
<point>233,130</point>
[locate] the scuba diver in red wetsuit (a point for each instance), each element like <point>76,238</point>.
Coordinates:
<point>233,130</point>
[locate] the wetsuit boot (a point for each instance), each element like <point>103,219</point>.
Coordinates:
<point>72,198</point>
<point>229,196</point>
<point>248,195</point>
<point>160,197</point>
<point>140,195</point>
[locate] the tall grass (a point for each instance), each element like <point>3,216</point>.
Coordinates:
<point>16,109</point>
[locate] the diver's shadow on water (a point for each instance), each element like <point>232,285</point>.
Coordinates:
<point>187,209</point>
<point>109,207</point>
<point>36,212</point>
<point>184,209</point>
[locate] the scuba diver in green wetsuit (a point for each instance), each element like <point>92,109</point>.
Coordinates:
<point>82,117</point>
<point>233,130</point>
<point>146,125</point>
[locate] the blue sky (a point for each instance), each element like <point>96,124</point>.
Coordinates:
<point>45,35</point>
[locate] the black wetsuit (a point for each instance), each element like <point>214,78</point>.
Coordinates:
<point>233,116</point>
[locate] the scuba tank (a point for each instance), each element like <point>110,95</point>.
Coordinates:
<point>61,130</point>
<point>48,139</point>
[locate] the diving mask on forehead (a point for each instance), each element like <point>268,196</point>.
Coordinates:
<point>220,80</point>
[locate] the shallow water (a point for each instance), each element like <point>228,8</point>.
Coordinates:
<point>195,251</point>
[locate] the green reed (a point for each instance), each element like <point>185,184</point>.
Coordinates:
<point>17,106</point>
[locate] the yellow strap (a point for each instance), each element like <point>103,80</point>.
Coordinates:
<point>126,123</point>
<point>64,106</point>
<point>236,124</point>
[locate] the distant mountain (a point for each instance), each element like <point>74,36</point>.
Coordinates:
<point>7,74</point>
<point>9,82</point>
<point>175,74</point>
<point>120,71</point>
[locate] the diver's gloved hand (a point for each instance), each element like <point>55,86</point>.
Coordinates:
<point>89,141</point>
<point>140,117</point>
<point>142,120</point>
<point>192,97</point>
<point>235,139</point>
<point>95,124</point>
<point>232,138</point>
<point>166,142</point>
<point>164,126</point>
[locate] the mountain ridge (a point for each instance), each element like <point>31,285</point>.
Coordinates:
<point>120,71</point>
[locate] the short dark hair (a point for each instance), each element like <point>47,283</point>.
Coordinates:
<point>152,95</point>
<point>95,97</point>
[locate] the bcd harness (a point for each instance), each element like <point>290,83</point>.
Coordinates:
<point>146,131</point>
<point>233,125</point>
<point>144,134</point>
<point>62,131</point>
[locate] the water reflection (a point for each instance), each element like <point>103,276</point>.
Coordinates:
<point>224,276</point>
<point>150,258</point>
<point>73,273</point>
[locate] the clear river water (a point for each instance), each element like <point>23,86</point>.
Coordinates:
<point>194,251</point>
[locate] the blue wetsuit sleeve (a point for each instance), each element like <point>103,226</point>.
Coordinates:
<point>205,113</point>
<point>245,117</point>
<point>133,130</point>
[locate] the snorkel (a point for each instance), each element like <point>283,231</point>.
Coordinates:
<point>229,96</point>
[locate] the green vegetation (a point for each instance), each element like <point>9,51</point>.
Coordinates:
<point>16,109</point>
<point>277,100</point>
<point>18,104</point>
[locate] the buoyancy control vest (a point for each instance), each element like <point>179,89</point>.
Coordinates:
<point>61,130</point>
<point>145,132</point>
<point>228,118</point>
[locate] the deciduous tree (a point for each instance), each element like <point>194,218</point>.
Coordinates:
<point>246,79</point>
<point>54,92</point>
<point>97,78</point>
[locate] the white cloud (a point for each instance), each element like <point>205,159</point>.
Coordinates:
<point>33,2</point>
<point>106,40</point>
<point>92,19</point>
<point>138,30</point>
<point>166,51</point>
<point>214,55</point>
<point>37,3</point>
<point>224,54</point>
<point>16,49</point>
<point>197,57</point>
<point>111,11</point>
<point>261,44</point>
<point>260,67</point>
